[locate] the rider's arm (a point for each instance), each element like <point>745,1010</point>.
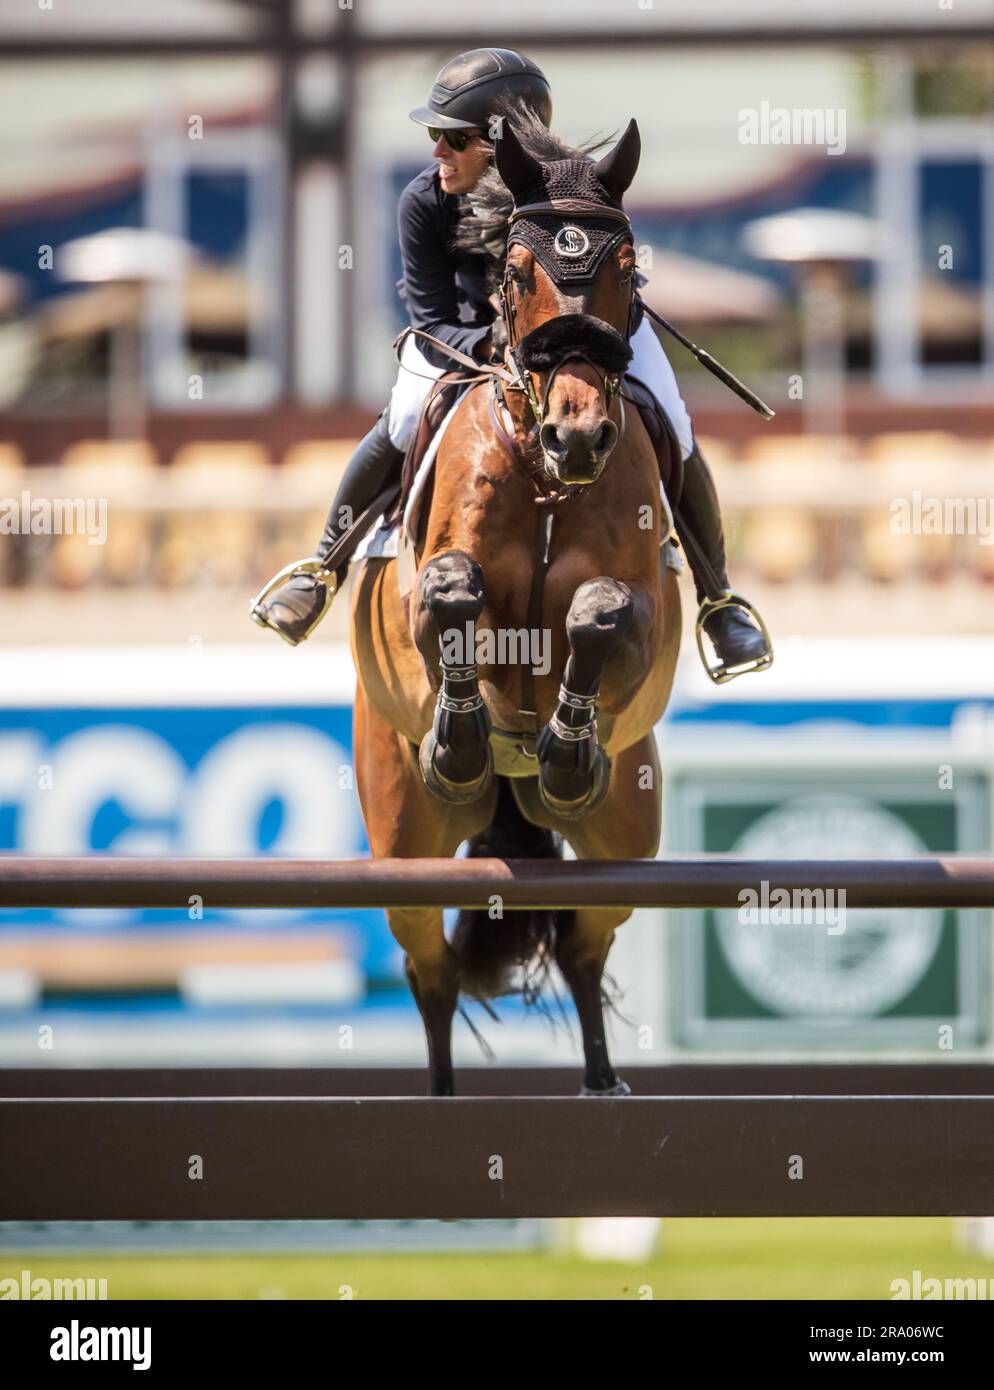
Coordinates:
<point>429,281</point>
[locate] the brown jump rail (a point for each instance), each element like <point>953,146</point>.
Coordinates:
<point>937,881</point>
<point>114,1155</point>
<point>86,1149</point>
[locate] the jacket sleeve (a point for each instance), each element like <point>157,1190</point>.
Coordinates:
<point>429,282</point>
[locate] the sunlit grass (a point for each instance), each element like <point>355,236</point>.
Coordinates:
<point>771,1259</point>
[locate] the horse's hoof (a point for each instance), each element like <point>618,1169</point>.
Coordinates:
<point>576,810</point>
<point>455,793</point>
<point>620,1088</point>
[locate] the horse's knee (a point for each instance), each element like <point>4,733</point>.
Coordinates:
<point>455,756</point>
<point>574,770</point>
<point>452,590</point>
<point>599,616</point>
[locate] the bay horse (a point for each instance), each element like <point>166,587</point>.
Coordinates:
<point>545,518</point>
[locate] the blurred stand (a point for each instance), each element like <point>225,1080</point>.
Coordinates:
<point>823,245</point>
<point>129,259</point>
<point>808,520</point>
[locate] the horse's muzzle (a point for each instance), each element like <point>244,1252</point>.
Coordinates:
<point>576,454</point>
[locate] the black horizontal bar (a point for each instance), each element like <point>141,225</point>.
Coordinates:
<point>268,42</point>
<point>290,1159</point>
<point>673,1079</point>
<point>702,881</point>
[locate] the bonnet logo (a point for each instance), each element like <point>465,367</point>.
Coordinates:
<point>572,241</point>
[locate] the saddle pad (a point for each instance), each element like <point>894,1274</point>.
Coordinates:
<point>381,542</point>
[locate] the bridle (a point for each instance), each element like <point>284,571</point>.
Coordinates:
<point>515,376</point>
<point>520,376</point>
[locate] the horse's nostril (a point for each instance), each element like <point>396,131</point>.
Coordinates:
<point>607,437</point>
<point>548,437</point>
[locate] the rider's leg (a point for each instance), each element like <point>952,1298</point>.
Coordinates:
<point>297,606</point>
<point>736,639</point>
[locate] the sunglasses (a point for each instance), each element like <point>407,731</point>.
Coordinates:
<point>456,140</point>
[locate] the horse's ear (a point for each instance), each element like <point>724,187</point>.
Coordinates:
<point>617,169</point>
<point>519,170</point>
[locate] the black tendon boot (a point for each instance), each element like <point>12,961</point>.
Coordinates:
<point>294,607</point>
<point>727,618</point>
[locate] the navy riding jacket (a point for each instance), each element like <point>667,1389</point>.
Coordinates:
<point>443,290</point>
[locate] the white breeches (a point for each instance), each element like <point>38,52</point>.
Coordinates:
<point>649,363</point>
<point>409,392</point>
<point>652,367</point>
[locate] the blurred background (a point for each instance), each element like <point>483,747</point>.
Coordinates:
<point>197,298</point>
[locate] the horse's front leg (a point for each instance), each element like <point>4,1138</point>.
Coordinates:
<point>455,757</point>
<point>604,621</point>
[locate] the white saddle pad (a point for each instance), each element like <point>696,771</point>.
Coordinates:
<point>382,541</point>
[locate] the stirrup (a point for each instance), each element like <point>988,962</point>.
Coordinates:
<point>719,672</point>
<point>309,565</point>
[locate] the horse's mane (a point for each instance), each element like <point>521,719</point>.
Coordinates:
<point>484,230</point>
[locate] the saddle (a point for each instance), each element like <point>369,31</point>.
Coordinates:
<point>438,403</point>
<point>669,457</point>
<point>391,502</point>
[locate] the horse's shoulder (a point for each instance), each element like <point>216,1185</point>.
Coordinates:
<point>472,419</point>
<point>475,404</point>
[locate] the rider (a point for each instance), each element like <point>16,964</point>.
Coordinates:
<point>445,294</point>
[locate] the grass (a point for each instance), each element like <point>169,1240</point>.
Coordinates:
<point>719,1259</point>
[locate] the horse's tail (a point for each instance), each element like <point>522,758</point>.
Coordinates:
<point>488,946</point>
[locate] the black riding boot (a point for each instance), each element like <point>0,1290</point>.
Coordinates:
<point>737,641</point>
<point>297,606</point>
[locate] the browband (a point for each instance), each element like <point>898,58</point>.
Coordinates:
<point>572,207</point>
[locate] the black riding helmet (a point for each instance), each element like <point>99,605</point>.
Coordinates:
<point>469,88</point>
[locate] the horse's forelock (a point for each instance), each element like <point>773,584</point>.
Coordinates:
<point>483,230</point>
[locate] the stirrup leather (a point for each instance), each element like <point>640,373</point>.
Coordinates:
<point>309,565</point>
<point>719,672</point>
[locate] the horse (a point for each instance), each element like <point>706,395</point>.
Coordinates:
<point>545,517</point>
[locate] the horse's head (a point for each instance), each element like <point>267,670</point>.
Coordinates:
<point>567,296</point>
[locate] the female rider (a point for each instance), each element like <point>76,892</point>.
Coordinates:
<point>445,294</point>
